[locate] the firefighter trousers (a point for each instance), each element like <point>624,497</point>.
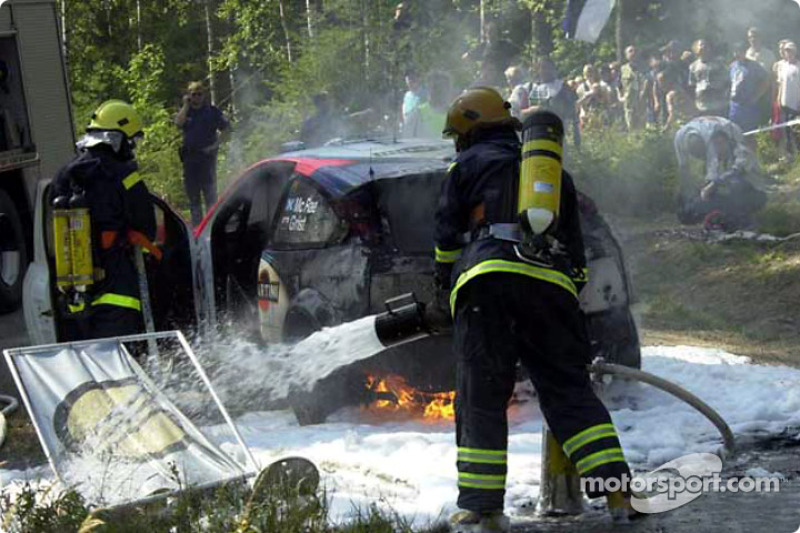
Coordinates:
<point>113,308</point>
<point>502,318</point>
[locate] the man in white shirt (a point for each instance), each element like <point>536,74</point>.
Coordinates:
<point>788,80</point>
<point>727,193</point>
<point>756,52</point>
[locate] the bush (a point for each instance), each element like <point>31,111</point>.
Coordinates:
<point>627,174</point>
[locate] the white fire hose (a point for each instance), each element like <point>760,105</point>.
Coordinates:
<point>560,491</point>
<point>794,122</point>
<point>600,367</point>
<point>11,406</point>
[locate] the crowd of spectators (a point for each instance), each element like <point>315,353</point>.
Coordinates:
<point>752,87</point>
<point>746,83</point>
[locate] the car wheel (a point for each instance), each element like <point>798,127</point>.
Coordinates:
<point>345,387</point>
<point>13,255</point>
<point>309,411</point>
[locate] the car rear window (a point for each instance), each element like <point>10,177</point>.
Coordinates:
<point>306,219</point>
<point>409,205</point>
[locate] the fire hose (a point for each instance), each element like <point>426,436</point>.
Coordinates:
<point>11,406</point>
<point>600,367</point>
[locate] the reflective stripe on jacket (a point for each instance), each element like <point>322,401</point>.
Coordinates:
<point>485,179</point>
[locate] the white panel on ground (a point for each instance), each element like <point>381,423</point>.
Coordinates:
<point>107,429</point>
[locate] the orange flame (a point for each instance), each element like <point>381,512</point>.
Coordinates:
<point>402,398</point>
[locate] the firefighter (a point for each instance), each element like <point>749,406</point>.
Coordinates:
<point>104,178</point>
<point>513,302</point>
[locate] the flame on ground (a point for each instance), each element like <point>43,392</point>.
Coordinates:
<point>397,396</point>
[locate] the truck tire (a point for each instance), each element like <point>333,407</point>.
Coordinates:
<point>13,255</point>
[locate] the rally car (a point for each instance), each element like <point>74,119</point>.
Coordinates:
<point>315,238</point>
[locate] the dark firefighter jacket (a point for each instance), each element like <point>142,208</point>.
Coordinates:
<point>482,188</point>
<point>118,202</point>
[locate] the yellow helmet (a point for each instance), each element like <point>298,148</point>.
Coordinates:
<point>116,115</point>
<point>476,106</point>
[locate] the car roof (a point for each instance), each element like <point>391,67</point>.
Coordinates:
<point>343,167</point>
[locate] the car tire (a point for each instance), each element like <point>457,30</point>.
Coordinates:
<point>345,387</point>
<point>13,255</point>
<point>309,411</point>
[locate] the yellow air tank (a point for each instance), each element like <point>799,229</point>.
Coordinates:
<point>61,242</point>
<point>72,238</point>
<point>540,177</point>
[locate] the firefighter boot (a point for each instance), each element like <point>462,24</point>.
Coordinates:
<point>472,522</point>
<point>620,509</point>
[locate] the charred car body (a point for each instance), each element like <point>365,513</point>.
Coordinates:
<point>319,237</point>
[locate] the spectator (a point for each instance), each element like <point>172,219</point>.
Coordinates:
<point>549,92</point>
<point>200,122</point>
<point>756,52</point>
<point>594,96</point>
<point>495,54</point>
<point>709,81</point>
<point>634,84</point>
<point>324,125</point>
<point>610,76</point>
<point>673,73</point>
<point>788,72</point>
<point>749,82</point>
<point>614,74</point>
<point>679,107</point>
<point>402,17</point>
<point>433,113</point>
<point>653,102</point>
<point>518,96</point>
<point>413,97</point>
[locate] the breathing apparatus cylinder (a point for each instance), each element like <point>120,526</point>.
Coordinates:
<point>72,236</point>
<point>539,197</point>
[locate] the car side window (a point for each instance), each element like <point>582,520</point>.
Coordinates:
<point>306,219</point>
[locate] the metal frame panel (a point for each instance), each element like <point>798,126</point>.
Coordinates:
<point>11,354</point>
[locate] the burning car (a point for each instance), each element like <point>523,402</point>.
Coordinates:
<point>315,238</point>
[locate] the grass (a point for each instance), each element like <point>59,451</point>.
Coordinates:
<point>743,295</point>
<point>228,509</point>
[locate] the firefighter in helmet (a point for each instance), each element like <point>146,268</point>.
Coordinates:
<point>96,273</point>
<point>511,266</point>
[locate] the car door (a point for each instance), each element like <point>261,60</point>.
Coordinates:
<point>230,242</point>
<point>174,293</point>
<point>176,290</point>
<point>37,298</point>
<point>406,261</point>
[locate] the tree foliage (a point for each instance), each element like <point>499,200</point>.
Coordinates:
<point>268,57</point>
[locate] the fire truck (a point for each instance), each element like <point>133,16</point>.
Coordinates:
<point>36,128</point>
